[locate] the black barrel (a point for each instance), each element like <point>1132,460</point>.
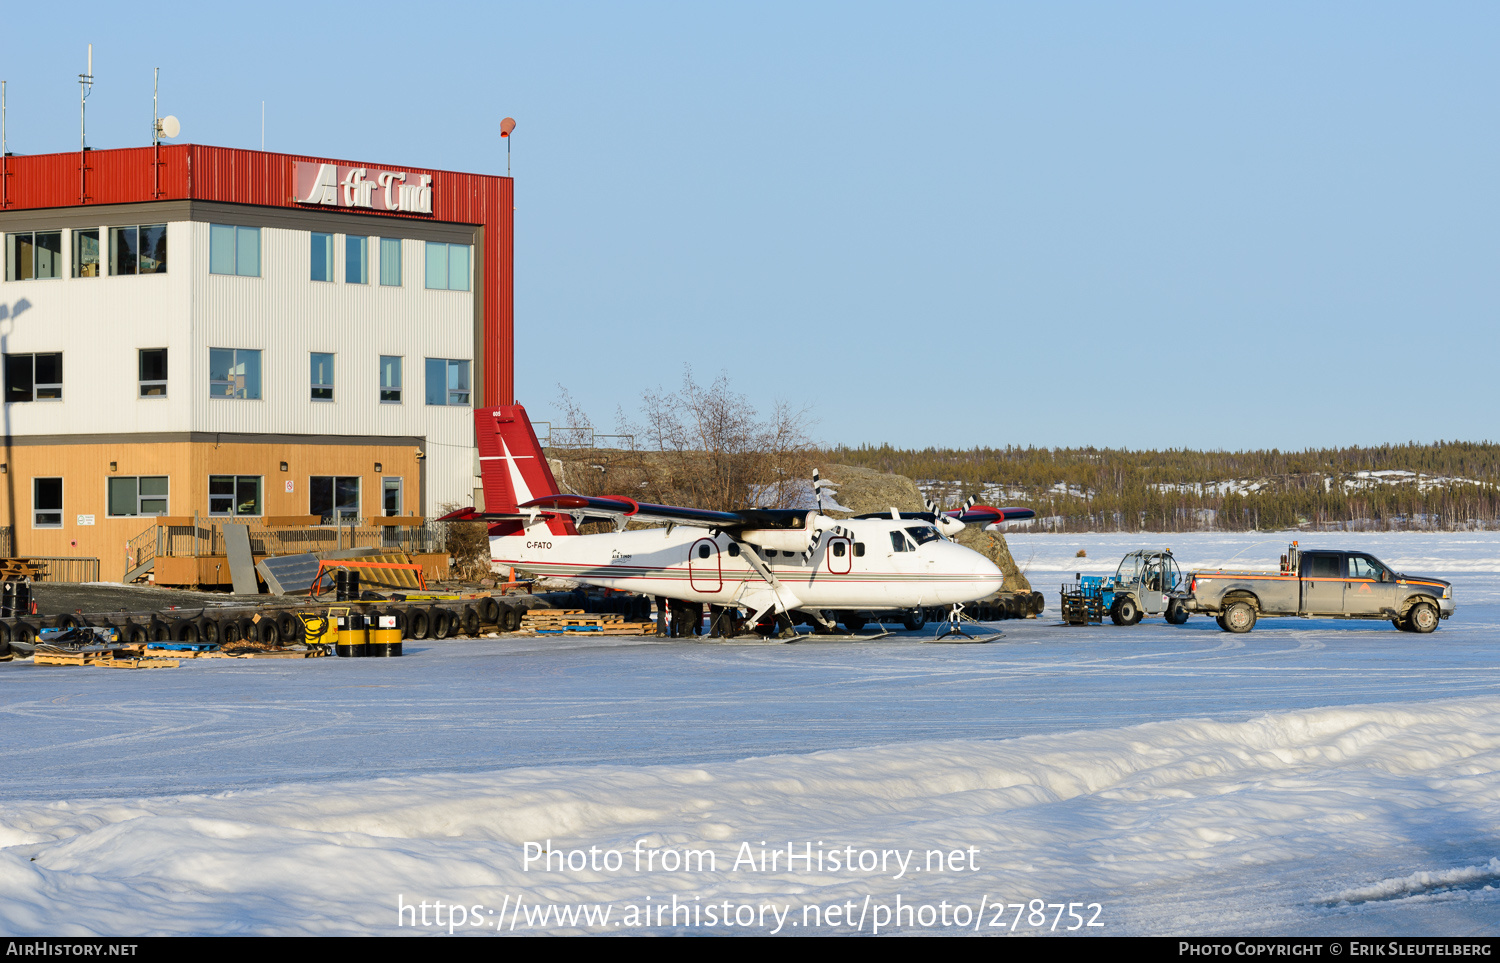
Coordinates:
<point>353,636</point>
<point>385,635</point>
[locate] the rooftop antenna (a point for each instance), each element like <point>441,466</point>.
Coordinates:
<point>506,126</point>
<point>85,87</point>
<point>160,127</point>
<point>4,144</point>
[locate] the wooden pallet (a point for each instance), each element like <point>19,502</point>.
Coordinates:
<point>309,654</point>
<point>104,659</point>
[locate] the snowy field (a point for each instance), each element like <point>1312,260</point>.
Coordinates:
<point>1310,778</point>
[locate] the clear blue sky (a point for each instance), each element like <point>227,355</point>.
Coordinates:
<point>1133,225</point>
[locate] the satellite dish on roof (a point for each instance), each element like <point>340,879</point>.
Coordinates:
<point>170,126</point>
<point>506,126</point>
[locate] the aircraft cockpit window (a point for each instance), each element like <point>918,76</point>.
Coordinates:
<point>900,544</point>
<point>924,534</point>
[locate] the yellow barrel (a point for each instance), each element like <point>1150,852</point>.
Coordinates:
<point>352,636</point>
<point>385,635</point>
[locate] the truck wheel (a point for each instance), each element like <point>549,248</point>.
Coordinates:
<point>1177,613</point>
<point>1401,624</point>
<point>1220,620</point>
<point>1239,618</point>
<point>914,620</point>
<point>1125,611</point>
<point>1422,618</point>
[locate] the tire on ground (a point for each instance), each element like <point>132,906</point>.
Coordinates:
<point>418,624</point>
<point>489,611</point>
<point>1239,617</point>
<point>1422,618</point>
<point>291,628</point>
<point>184,630</point>
<point>442,623</point>
<point>24,632</point>
<point>469,621</point>
<point>1125,611</point>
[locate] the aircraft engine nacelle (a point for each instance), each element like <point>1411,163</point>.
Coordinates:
<point>782,540</point>
<point>948,525</point>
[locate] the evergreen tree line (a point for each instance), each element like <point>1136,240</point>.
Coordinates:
<point>1099,489</point>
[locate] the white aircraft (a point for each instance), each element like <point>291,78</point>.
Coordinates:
<point>766,561</point>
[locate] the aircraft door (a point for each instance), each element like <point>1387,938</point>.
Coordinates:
<point>839,555</point>
<point>704,573</point>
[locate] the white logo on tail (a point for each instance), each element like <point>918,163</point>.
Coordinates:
<point>517,483</point>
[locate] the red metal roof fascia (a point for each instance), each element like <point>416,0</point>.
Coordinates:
<point>235,176</point>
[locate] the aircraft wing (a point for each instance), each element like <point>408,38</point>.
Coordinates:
<point>985,515</point>
<point>620,509</point>
<point>617,506</point>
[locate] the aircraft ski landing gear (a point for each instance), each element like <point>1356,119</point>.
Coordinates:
<point>953,630</point>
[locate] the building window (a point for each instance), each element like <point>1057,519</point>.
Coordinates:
<point>390,261</point>
<point>33,255</point>
<point>138,250</point>
<point>145,495</point>
<point>390,379</point>
<point>330,495</point>
<point>234,250</point>
<point>356,260</point>
<point>322,376</point>
<point>447,266</point>
<point>447,382</point>
<point>233,373</point>
<point>234,494</point>
<point>46,503</point>
<point>322,257</point>
<point>153,365</point>
<point>86,259</point>
<point>33,377</point>
<point>390,496</point>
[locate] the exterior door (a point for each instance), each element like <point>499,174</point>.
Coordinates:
<point>704,573</point>
<point>1323,576</point>
<point>839,556</point>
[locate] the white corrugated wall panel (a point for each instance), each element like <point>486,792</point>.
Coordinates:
<point>99,324</point>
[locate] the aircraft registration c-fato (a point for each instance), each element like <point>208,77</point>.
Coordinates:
<point>765,561</point>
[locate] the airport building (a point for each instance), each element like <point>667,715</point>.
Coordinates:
<point>205,335</point>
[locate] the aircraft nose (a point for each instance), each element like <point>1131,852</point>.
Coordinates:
<point>987,576</point>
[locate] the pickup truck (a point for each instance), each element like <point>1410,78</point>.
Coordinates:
<point>1321,584</point>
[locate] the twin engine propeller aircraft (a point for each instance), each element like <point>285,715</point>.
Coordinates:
<point>769,562</point>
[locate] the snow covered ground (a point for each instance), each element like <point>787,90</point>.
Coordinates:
<point>1313,777</point>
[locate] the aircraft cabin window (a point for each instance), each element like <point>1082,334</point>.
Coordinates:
<point>859,549</point>
<point>838,549</point>
<point>734,549</point>
<point>703,551</point>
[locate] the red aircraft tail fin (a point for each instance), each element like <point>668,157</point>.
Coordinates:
<point>513,467</point>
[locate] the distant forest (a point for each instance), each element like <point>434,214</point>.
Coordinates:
<point>1447,485</point>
